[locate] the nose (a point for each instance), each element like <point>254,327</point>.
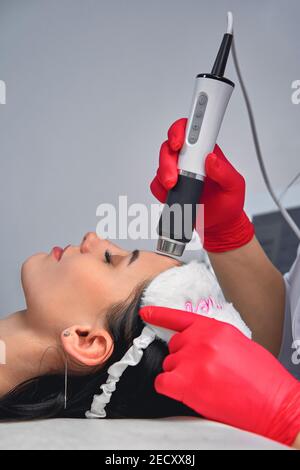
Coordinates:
<point>89,235</point>
<point>92,243</point>
<point>89,239</point>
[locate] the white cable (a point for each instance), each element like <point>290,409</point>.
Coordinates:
<point>291,183</point>
<point>282,209</point>
<point>229,23</point>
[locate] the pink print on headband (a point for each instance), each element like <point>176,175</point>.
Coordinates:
<point>203,306</point>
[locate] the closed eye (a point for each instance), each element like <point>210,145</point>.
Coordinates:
<point>107,257</point>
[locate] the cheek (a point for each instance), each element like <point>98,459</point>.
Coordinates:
<point>85,282</point>
<point>72,287</point>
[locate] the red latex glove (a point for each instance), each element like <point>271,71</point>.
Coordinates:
<point>222,375</point>
<point>226,226</point>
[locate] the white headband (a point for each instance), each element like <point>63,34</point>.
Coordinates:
<point>131,358</point>
<point>192,287</point>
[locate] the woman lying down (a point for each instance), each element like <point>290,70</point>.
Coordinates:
<point>80,349</point>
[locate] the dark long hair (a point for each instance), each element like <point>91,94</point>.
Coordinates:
<point>135,397</point>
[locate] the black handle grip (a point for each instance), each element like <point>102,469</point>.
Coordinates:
<point>178,219</point>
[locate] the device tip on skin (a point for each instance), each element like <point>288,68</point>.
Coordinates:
<point>158,252</point>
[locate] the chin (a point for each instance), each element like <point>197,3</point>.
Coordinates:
<point>30,269</point>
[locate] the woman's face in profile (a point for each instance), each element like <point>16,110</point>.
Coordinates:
<point>88,278</point>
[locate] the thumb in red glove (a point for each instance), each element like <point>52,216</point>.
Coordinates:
<point>222,375</point>
<point>226,226</point>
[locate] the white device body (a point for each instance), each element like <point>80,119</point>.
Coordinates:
<point>218,92</point>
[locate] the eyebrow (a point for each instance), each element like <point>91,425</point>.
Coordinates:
<point>134,256</point>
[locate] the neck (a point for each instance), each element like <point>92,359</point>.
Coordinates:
<point>28,353</point>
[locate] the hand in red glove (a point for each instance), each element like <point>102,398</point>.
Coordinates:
<point>222,375</point>
<point>226,226</point>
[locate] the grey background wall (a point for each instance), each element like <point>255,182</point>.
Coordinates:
<point>92,87</point>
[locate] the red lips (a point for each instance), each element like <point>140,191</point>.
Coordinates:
<point>58,252</point>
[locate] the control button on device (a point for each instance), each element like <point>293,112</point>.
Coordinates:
<point>197,119</point>
<point>203,99</point>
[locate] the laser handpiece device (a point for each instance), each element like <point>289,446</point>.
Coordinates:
<point>210,100</point>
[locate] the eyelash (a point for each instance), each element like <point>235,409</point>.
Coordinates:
<point>107,256</point>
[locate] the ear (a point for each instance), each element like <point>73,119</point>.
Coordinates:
<point>91,347</point>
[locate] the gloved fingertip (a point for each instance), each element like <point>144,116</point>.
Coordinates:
<point>175,145</point>
<point>170,385</point>
<point>211,163</point>
<point>158,191</point>
<point>145,313</point>
<point>170,183</point>
<point>159,384</point>
<point>212,158</point>
<point>176,134</point>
